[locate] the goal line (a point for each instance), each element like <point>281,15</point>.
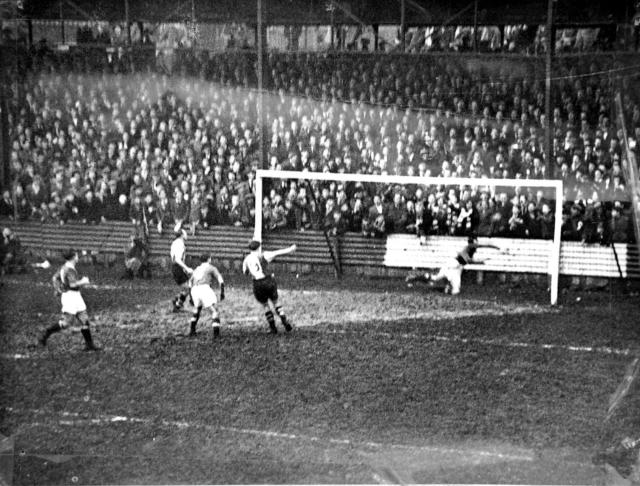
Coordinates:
<point>553,268</point>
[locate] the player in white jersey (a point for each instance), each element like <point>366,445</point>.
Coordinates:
<point>203,295</point>
<point>179,268</point>
<point>265,288</point>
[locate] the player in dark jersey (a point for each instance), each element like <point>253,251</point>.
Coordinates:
<point>135,262</point>
<point>265,288</point>
<point>67,284</point>
<point>203,295</point>
<point>452,270</point>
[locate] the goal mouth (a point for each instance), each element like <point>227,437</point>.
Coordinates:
<point>554,186</point>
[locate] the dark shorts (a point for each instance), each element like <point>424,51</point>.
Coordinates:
<point>265,289</point>
<point>179,275</point>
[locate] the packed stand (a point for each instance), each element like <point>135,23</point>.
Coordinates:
<point>92,146</point>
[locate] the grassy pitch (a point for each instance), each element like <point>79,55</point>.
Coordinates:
<point>376,384</point>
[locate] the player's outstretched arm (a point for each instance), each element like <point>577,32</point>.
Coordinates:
<point>493,247</point>
<point>271,255</point>
<point>504,251</point>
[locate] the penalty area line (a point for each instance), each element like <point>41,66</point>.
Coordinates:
<point>509,344</point>
<point>74,419</point>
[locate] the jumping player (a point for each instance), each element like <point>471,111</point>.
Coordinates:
<point>203,295</point>
<point>452,271</point>
<point>265,288</point>
<point>67,284</point>
<point>179,268</point>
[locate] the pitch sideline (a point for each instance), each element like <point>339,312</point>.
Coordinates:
<point>74,419</point>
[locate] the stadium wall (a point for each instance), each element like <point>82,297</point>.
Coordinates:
<point>392,256</point>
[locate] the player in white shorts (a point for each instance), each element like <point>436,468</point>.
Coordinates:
<point>67,284</point>
<point>452,270</point>
<point>180,270</point>
<point>203,294</point>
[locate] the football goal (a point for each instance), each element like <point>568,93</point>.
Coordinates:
<point>511,192</point>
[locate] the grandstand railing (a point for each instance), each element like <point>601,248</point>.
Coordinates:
<point>358,254</point>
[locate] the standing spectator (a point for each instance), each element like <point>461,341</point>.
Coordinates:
<point>238,213</point>
<point>468,219</point>
<point>485,214</point>
<point>573,224</point>
<point>70,208</point>
<point>6,205</point>
<point>23,207</point>
<point>397,215</point>
<point>547,222</point>
<point>90,210</point>
<point>617,226</point>
<point>517,228</point>
<point>375,223</point>
<point>206,216</point>
<point>36,193</point>
<point>110,201</point>
<point>532,221</point>
<point>165,214</point>
<point>11,255</point>
<point>180,208</point>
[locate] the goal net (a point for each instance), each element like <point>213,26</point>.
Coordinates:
<point>423,220</point>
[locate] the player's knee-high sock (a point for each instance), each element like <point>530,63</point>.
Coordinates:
<point>49,331</point>
<point>88,340</point>
<point>216,326</point>
<point>194,321</point>
<point>283,318</point>
<point>272,321</point>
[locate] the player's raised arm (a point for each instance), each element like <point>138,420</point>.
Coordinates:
<point>271,255</point>
<point>493,247</point>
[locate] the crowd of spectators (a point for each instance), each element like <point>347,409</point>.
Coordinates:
<point>94,146</point>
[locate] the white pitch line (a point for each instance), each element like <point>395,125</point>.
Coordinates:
<point>519,344</point>
<point>13,281</point>
<point>453,339</point>
<point>496,342</point>
<point>15,356</point>
<point>74,419</point>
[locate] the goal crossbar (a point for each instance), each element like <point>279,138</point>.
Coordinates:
<point>554,261</point>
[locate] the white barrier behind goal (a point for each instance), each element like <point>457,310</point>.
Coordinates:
<point>553,264</point>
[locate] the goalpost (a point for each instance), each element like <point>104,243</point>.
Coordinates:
<point>553,268</point>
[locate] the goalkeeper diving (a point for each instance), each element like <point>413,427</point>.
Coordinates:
<point>451,272</point>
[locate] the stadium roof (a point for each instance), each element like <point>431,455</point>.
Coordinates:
<point>418,12</point>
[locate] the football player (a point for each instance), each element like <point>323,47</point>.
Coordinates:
<point>203,295</point>
<point>67,284</point>
<point>265,288</point>
<point>452,271</point>
<point>181,272</point>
